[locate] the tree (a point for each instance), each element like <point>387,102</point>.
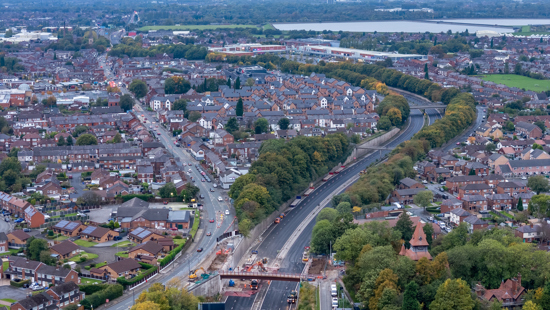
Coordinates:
<point>126,102</point>
<point>409,297</point>
<point>89,198</point>
<point>46,258</point>
<point>327,214</point>
<point>529,305</point>
<point>194,116</point>
<point>10,163</point>
<point>249,82</point>
<point>429,231</point>
<point>261,125</point>
<point>321,237</point>
<point>117,138</point>
<point>405,226</point>
<point>61,141</point>
<point>510,126</point>
<point>283,123</point>
<point>86,139</point>
<point>453,295</point>
<point>348,247</point>
<point>239,109</point>
<point>146,305</point>
<point>180,105</point>
<point>384,123</point>
<point>519,207</point>
<point>232,125</point>
<point>490,147</point>
<point>50,101</point>
<point>541,125</point>
<point>176,85</point>
<point>35,247</point>
<point>237,84</point>
<point>538,184</point>
<point>69,140</point>
<point>424,198</point>
<point>386,279</point>
<point>343,207</point>
<point>395,116</point>
<point>168,191</point>
<point>138,88</point>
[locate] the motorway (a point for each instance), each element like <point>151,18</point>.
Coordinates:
<point>277,235</point>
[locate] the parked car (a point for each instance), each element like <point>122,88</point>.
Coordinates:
<point>26,230</point>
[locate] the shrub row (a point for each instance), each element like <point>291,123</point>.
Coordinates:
<point>110,291</point>
<point>166,260</point>
<point>149,269</point>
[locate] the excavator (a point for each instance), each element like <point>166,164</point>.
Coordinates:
<point>193,274</point>
<point>259,264</point>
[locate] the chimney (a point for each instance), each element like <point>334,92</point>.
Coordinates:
<point>531,224</point>
<point>519,280</point>
<point>479,289</point>
<point>514,285</point>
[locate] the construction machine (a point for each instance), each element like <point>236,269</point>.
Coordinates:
<point>193,274</point>
<point>259,264</point>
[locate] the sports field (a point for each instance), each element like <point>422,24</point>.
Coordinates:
<point>194,27</point>
<point>519,81</point>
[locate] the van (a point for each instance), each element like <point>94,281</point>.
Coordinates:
<point>397,205</point>
<point>333,291</point>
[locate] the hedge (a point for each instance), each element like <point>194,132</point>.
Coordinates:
<point>20,283</point>
<point>166,260</point>
<point>89,289</point>
<point>126,282</point>
<point>111,292</point>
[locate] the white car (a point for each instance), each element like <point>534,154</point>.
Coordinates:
<point>226,212</point>
<point>220,198</point>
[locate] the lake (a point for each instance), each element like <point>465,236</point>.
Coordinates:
<point>416,26</point>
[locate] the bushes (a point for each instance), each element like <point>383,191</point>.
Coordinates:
<point>150,269</point>
<point>166,260</point>
<point>98,297</point>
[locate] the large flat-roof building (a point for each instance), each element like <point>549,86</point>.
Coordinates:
<point>342,52</point>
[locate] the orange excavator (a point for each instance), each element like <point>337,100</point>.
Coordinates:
<point>259,264</point>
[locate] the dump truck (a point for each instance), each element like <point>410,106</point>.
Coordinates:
<point>292,297</point>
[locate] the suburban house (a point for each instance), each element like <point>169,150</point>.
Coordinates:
<point>510,293</point>
<point>65,250</point>
<point>66,294</point>
<point>529,233</point>
<point>98,234</point>
<point>142,235</point>
<point>122,268</point>
<point>17,239</point>
<point>67,228</point>
<point>41,300</point>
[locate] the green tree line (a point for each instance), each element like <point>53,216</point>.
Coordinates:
<point>283,169</point>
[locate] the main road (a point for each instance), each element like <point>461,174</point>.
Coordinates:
<point>274,239</point>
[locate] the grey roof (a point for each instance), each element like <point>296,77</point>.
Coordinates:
<point>150,246</point>
<point>473,198</point>
<point>33,302</point>
<point>412,191</point>
<point>481,186</point>
<point>474,220</point>
<point>408,182</point>
<point>528,228</point>
<point>21,262</point>
<point>53,271</point>
<point>529,163</point>
<point>460,212</point>
<point>499,196</point>
<point>505,169</point>
<point>65,288</point>
<point>156,214</point>
<point>178,216</point>
<point>135,202</point>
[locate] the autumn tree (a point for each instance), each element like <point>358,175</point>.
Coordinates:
<point>386,279</point>
<point>453,295</point>
<point>395,116</point>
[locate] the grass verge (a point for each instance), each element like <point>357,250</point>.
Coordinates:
<point>519,81</point>
<point>123,244</point>
<point>85,243</point>
<point>90,281</point>
<point>88,256</point>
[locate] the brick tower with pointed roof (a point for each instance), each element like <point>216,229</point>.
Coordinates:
<point>419,245</point>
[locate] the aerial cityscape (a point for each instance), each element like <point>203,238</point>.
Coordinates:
<point>312,155</point>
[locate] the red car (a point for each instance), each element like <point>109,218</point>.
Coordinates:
<point>199,250</point>
<point>212,220</point>
<point>165,202</point>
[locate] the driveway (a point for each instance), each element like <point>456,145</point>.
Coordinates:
<point>11,292</point>
<point>105,254</point>
<point>100,215</point>
<point>5,227</point>
<point>76,182</point>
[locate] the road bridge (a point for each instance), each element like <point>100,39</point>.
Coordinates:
<point>431,106</point>
<point>291,277</point>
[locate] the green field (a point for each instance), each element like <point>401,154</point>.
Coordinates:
<point>88,256</point>
<point>90,281</point>
<point>123,244</point>
<point>195,27</point>
<point>519,81</point>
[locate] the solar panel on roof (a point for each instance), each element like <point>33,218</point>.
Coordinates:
<point>144,234</point>
<point>62,224</point>
<point>72,225</point>
<point>137,231</point>
<point>88,230</point>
